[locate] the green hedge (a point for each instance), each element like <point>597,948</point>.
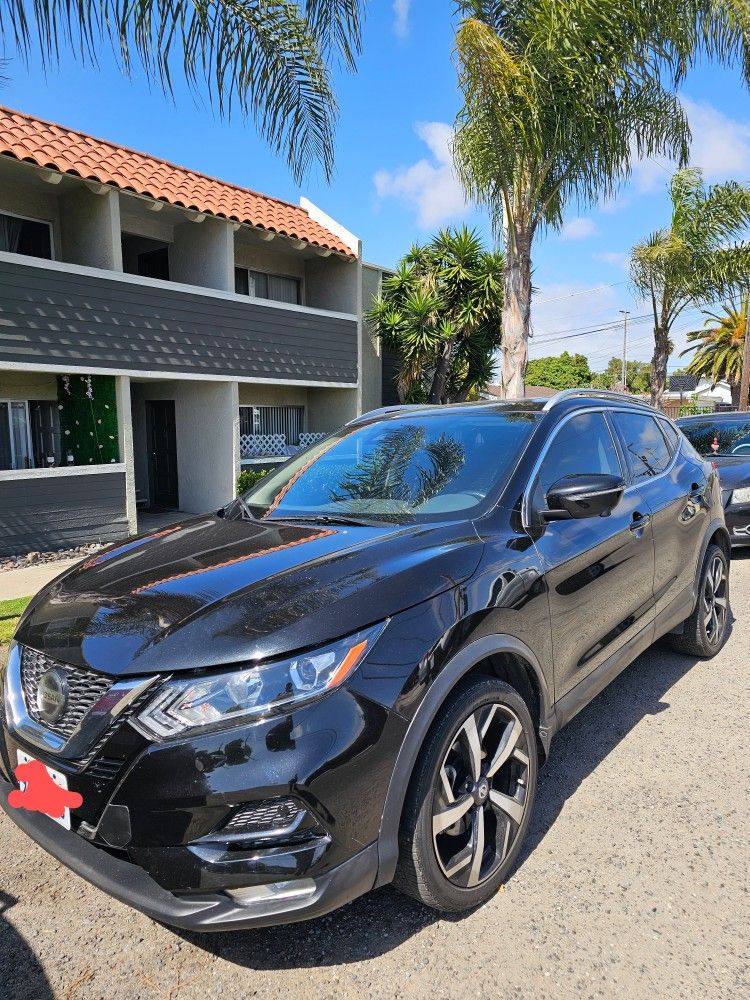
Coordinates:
<point>88,418</point>
<point>248,478</point>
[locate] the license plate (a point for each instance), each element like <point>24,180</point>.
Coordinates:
<point>59,779</point>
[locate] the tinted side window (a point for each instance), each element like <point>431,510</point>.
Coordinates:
<point>582,445</point>
<point>645,447</point>
<point>671,434</point>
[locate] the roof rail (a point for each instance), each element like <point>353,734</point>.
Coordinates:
<point>621,397</point>
<point>381,410</point>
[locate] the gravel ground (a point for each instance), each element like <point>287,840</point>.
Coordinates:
<point>634,882</point>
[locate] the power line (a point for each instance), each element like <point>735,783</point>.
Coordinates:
<point>581,291</point>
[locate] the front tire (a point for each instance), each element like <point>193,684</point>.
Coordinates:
<point>705,631</point>
<point>470,798</point>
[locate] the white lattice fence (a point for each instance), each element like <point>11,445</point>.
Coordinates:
<point>309,438</point>
<point>262,445</point>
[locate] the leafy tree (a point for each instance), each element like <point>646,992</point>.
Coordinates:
<point>718,350</point>
<point>566,371</point>
<point>270,59</point>
<point>441,313</point>
<point>638,374</point>
<point>559,97</point>
<point>698,258</point>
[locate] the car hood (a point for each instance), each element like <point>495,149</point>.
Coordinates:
<point>211,591</point>
<point>733,472</point>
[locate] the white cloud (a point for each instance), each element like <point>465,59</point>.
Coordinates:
<point>429,186</point>
<point>401,10</point>
<point>620,260</point>
<point>578,229</point>
<point>720,147</point>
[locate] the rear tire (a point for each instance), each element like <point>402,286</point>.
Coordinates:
<point>470,798</point>
<point>705,631</point>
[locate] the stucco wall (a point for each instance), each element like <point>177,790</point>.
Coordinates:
<point>272,395</point>
<point>328,409</point>
<point>207,432</point>
<point>27,385</point>
<point>372,386</point>
<point>203,254</point>
<point>332,283</point>
<point>90,228</point>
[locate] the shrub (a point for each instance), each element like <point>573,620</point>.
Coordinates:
<point>248,478</point>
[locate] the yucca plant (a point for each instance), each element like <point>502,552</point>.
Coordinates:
<point>703,254</point>
<point>718,349</point>
<point>270,59</point>
<point>441,312</point>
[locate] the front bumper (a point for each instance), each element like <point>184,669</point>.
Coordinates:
<point>214,911</point>
<point>738,524</point>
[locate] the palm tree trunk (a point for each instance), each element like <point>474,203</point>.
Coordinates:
<point>659,365</point>
<point>514,349</point>
<point>442,370</point>
<point>734,388</point>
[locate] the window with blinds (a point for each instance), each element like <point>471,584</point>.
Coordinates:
<point>260,285</point>
<point>286,420</point>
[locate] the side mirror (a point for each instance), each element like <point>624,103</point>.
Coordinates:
<point>591,495</point>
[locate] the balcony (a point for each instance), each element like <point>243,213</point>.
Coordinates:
<point>71,317</point>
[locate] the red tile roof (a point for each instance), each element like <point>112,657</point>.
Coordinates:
<point>33,140</point>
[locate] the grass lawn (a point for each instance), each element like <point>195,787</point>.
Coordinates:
<point>10,611</point>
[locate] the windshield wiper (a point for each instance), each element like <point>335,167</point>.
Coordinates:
<point>333,519</point>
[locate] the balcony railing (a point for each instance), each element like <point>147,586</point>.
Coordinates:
<point>78,317</point>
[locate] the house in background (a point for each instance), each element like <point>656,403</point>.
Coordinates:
<point>155,326</point>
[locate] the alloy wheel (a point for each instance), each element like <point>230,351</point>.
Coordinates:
<point>715,603</point>
<point>480,796</point>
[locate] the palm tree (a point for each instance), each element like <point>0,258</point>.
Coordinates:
<point>719,348</point>
<point>699,258</point>
<point>559,97</point>
<point>271,60</point>
<point>441,313</point>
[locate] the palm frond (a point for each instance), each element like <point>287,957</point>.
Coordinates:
<point>268,58</point>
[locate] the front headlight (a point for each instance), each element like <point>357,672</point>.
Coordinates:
<point>741,495</point>
<point>249,693</point>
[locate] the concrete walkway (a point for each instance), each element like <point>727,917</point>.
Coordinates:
<point>25,582</point>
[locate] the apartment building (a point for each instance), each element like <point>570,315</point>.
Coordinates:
<point>159,330</point>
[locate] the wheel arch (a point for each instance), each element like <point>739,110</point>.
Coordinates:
<point>716,534</point>
<point>503,656</point>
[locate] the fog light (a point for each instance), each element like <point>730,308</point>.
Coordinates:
<point>275,892</point>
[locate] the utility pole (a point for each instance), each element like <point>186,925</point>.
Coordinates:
<point>745,383</point>
<point>625,314</point>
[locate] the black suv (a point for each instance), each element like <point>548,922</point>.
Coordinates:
<point>350,675</point>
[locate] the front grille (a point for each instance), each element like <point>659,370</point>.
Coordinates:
<point>266,816</point>
<point>85,688</point>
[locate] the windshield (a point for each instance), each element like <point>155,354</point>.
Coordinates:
<point>719,437</point>
<point>424,467</point>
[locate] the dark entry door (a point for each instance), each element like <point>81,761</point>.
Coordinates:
<point>162,451</point>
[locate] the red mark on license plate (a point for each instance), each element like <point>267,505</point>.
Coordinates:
<point>40,793</point>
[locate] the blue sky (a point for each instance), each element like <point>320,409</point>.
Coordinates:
<point>394,183</point>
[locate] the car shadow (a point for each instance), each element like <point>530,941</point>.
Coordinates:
<point>22,975</point>
<point>382,920</point>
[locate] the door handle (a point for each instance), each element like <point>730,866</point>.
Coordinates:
<point>697,491</point>
<point>639,521</point>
